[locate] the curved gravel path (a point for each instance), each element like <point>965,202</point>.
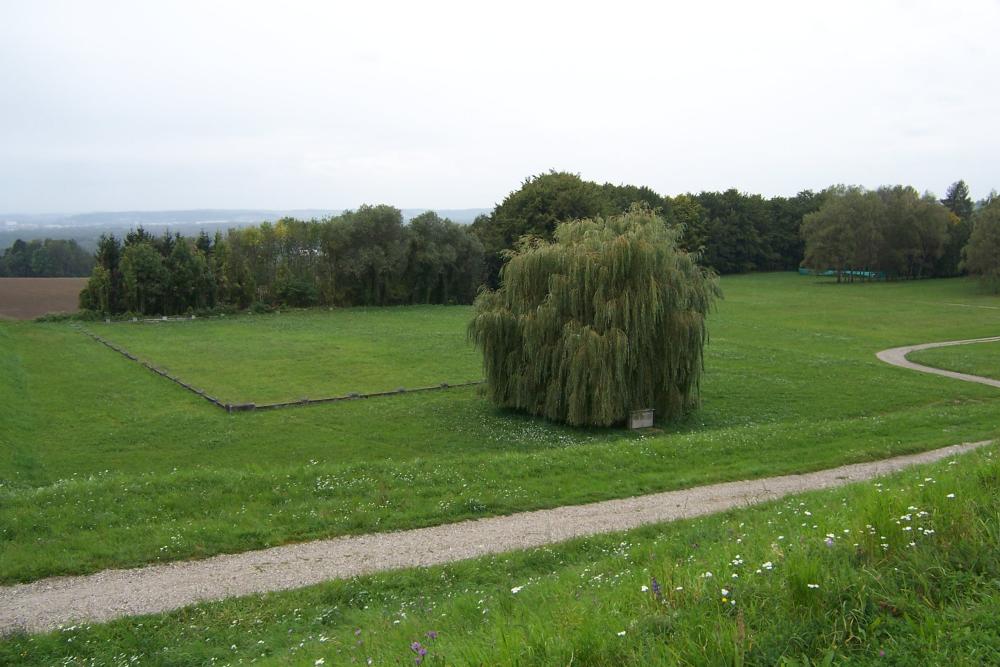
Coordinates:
<point>48,603</point>
<point>897,357</point>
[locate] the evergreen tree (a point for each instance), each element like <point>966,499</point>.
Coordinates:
<point>958,201</point>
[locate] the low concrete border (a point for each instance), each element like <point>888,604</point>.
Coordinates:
<point>249,407</point>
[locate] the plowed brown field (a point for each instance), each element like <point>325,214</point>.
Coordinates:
<point>26,298</point>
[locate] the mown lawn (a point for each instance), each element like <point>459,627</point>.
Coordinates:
<point>317,353</point>
<point>104,464</point>
<point>976,358</point>
<point>901,571</point>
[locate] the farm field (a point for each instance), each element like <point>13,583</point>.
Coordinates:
<point>902,570</point>
<point>104,464</point>
<point>287,356</point>
<point>974,359</point>
<point>28,298</point>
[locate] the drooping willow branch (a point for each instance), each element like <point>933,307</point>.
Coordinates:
<point>607,318</point>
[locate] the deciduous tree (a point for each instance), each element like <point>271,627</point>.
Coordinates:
<point>607,318</point>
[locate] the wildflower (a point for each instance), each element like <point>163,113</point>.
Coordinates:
<point>419,650</point>
<point>657,592</point>
<point>516,589</point>
<point>707,575</point>
<point>621,634</point>
<point>828,541</point>
<point>432,634</point>
<point>950,495</point>
<point>768,565</point>
<point>320,661</point>
<point>679,588</point>
<point>725,592</point>
<point>813,585</point>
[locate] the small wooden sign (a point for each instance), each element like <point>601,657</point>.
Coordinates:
<point>640,419</point>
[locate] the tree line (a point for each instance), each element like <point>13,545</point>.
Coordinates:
<point>890,233</point>
<point>370,257</point>
<point>51,258</point>
<point>367,257</point>
<point>733,232</point>
<point>893,232</point>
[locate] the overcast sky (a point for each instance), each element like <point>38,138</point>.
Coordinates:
<point>157,105</point>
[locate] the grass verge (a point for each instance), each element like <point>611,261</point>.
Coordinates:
<point>974,359</point>
<point>903,570</point>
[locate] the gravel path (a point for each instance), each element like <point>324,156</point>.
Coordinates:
<point>897,357</point>
<point>48,603</point>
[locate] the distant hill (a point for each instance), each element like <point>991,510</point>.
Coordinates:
<point>86,228</point>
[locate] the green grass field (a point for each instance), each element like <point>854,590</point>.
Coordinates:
<point>975,359</point>
<point>288,356</point>
<point>901,571</point>
<point>104,464</point>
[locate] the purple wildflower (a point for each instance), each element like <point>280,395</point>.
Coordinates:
<point>828,541</point>
<point>657,591</point>
<point>432,634</point>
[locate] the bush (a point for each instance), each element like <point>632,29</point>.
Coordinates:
<point>298,293</point>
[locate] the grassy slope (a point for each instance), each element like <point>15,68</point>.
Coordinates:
<point>109,465</point>
<point>976,359</point>
<point>283,357</point>
<point>909,575</point>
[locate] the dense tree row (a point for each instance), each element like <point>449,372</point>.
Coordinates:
<point>369,257</point>
<point>51,258</point>
<point>981,256</point>
<point>889,233</point>
<point>892,232</point>
<point>363,257</point>
<point>734,232</point>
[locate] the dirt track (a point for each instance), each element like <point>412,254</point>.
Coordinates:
<point>28,298</point>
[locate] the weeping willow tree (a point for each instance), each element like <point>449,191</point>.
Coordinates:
<point>607,318</point>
